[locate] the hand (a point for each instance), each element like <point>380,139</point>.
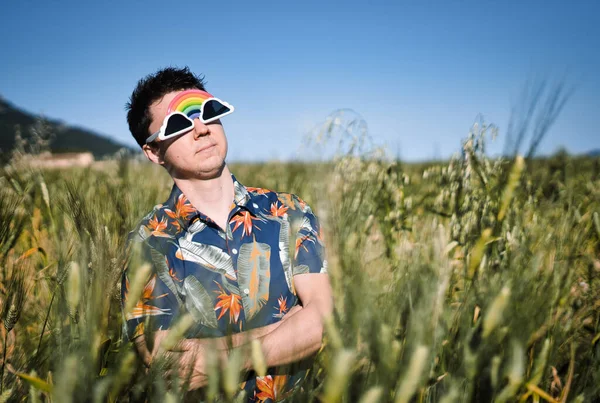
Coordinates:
<point>196,357</point>
<point>187,359</point>
<point>192,362</point>
<point>190,354</point>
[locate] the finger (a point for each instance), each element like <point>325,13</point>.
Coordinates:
<point>186,370</point>
<point>165,361</point>
<point>146,359</point>
<point>198,381</point>
<point>188,359</point>
<point>173,369</point>
<point>158,338</point>
<point>142,349</point>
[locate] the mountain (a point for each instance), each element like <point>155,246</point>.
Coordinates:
<point>594,153</point>
<point>63,139</point>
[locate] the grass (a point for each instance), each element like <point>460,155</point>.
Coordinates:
<point>473,279</point>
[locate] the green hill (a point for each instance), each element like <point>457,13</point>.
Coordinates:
<point>63,138</point>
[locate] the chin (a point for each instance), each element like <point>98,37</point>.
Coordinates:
<point>212,170</point>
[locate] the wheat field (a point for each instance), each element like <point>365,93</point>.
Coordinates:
<point>468,280</point>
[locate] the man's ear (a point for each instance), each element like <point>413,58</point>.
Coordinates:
<point>153,153</point>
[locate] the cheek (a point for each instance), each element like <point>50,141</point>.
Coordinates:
<point>223,141</point>
<point>174,153</point>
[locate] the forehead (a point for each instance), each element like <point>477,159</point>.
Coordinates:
<point>178,100</point>
<point>158,109</point>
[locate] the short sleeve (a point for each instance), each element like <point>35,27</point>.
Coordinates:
<point>158,303</point>
<point>309,256</point>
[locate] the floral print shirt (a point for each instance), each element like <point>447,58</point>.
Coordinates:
<point>229,280</point>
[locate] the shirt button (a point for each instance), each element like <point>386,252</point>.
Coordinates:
<point>246,291</point>
<point>234,251</point>
<point>254,205</point>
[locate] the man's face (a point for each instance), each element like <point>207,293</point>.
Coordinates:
<point>197,154</point>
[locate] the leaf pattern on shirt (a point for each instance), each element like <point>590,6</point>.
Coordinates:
<point>301,269</point>
<point>194,228</point>
<point>254,275</point>
<point>163,271</point>
<point>240,195</point>
<point>307,226</point>
<point>199,303</point>
<point>284,246</point>
<point>284,254</point>
<point>209,256</point>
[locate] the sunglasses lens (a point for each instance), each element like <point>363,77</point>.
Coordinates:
<point>213,109</point>
<point>177,123</point>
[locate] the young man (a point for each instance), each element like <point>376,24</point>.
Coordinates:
<point>220,251</point>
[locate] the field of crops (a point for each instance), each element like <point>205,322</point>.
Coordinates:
<point>468,280</point>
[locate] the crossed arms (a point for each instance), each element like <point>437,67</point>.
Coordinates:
<point>298,335</point>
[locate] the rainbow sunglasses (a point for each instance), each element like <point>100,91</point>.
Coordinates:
<point>187,106</point>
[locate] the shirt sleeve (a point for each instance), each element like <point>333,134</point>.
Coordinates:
<point>309,256</point>
<point>158,302</point>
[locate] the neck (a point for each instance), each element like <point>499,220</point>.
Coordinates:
<point>208,195</point>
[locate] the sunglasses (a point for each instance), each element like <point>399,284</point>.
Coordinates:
<point>187,106</point>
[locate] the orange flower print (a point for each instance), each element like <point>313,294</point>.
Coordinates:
<point>174,275</point>
<point>183,209</point>
<point>156,228</point>
<point>172,271</point>
<point>278,211</point>
<point>139,330</point>
<point>301,203</point>
<point>244,218</point>
<point>300,242</point>
<point>142,308</point>
<point>282,309</point>
<point>270,387</point>
<point>228,302</point>
<point>259,191</point>
<point>287,200</point>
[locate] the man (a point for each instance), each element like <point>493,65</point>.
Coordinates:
<point>220,251</point>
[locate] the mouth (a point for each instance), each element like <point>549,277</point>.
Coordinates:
<point>205,148</point>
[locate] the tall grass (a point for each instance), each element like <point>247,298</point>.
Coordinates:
<point>475,279</point>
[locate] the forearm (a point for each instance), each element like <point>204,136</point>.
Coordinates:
<point>223,343</point>
<point>298,337</point>
<point>236,340</point>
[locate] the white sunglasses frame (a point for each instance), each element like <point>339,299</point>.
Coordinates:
<point>160,133</point>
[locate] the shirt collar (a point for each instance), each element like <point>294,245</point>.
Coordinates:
<point>178,204</point>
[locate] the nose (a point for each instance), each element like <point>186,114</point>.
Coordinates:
<point>200,129</point>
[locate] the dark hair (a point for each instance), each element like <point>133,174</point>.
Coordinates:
<point>149,90</point>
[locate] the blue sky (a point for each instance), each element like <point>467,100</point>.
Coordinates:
<point>418,72</point>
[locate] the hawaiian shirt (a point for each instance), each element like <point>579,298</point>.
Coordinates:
<point>229,280</point>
